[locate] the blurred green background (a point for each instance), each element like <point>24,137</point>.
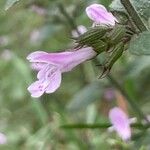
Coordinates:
<point>34,124</point>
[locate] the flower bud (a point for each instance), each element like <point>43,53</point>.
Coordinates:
<point>99,14</point>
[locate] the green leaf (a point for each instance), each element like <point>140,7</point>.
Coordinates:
<point>142,6</point>
<point>86,96</point>
<point>140,45</point>
<point>10,3</point>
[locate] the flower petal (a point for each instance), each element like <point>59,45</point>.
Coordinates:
<point>120,123</point>
<point>78,57</point>
<point>36,89</point>
<point>62,59</point>
<point>42,73</point>
<point>49,81</point>
<point>32,57</point>
<point>51,58</point>
<point>99,14</point>
<point>55,80</point>
<point>37,66</point>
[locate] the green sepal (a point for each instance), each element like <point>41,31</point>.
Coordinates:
<point>99,46</point>
<point>116,54</point>
<point>116,35</point>
<point>92,35</point>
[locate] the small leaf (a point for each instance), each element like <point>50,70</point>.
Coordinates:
<point>86,96</point>
<point>141,44</point>
<point>10,3</point>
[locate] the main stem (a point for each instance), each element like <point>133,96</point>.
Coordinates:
<point>134,15</point>
<point>100,126</point>
<point>128,98</point>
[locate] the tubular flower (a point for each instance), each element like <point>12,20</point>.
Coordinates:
<point>99,15</point>
<point>50,67</point>
<point>120,122</point>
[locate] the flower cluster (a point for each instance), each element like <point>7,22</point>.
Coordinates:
<point>50,66</point>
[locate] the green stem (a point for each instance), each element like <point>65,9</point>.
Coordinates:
<point>102,126</point>
<point>128,98</point>
<point>69,19</point>
<point>134,15</point>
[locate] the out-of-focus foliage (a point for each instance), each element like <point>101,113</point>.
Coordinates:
<point>86,96</point>
<point>33,124</point>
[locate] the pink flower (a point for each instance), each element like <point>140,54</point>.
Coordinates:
<point>99,14</point>
<point>3,139</point>
<point>50,66</point>
<point>81,29</point>
<point>120,122</point>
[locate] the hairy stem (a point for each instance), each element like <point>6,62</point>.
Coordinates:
<point>134,15</point>
<point>100,125</point>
